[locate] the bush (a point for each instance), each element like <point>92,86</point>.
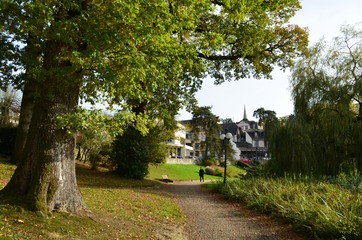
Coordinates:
<point>211,162</point>
<point>217,171</point>
<point>214,171</point>
<point>353,183</point>
<point>100,157</point>
<point>130,154</point>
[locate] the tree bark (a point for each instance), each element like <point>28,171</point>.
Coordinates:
<point>33,52</point>
<point>26,113</point>
<point>45,176</point>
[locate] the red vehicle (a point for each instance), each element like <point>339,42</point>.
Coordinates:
<point>245,160</point>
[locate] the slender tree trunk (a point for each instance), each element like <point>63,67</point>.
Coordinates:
<point>26,113</point>
<point>33,52</point>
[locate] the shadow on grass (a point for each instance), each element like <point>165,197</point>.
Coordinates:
<point>102,178</point>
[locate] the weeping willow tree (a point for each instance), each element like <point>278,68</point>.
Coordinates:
<point>288,143</point>
<point>324,137</point>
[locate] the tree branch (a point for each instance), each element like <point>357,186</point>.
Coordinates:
<point>220,57</point>
<point>216,2</point>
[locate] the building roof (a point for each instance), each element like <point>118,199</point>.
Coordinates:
<point>255,133</point>
<point>243,144</point>
<point>231,127</point>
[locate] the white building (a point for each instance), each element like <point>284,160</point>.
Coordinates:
<point>179,151</point>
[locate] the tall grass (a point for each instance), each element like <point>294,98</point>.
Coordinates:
<point>324,210</point>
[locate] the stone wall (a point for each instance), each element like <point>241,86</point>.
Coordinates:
<point>180,161</point>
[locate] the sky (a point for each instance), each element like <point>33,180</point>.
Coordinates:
<point>323,18</point>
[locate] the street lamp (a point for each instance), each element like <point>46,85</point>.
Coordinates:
<point>225,137</point>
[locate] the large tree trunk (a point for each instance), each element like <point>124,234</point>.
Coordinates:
<point>33,52</point>
<point>26,113</point>
<point>45,176</point>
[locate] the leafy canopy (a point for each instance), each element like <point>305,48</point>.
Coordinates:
<point>135,51</point>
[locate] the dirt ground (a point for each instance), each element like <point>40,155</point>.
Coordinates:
<point>210,217</point>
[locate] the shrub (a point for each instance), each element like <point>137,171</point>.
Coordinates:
<point>100,157</point>
<point>130,154</point>
<point>211,162</point>
<point>214,171</point>
<point>353,183</point>
<point>217,171</point>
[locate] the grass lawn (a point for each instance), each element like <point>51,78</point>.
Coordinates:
<point>114,214</point>
<point>182,172</point>
<point>6,169</point>
<point>118,208</point>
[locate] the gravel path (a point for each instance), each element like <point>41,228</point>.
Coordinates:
<point>211,217</point>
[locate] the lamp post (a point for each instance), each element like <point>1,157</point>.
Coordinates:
<point>225,137</point>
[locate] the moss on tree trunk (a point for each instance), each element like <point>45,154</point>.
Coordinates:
<point>45,177</point>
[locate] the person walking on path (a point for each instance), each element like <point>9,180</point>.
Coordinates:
<point>201,174</point>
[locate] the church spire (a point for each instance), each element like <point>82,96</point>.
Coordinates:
<point>245,118</point>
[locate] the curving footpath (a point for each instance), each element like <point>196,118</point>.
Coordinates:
<point>211,217</point>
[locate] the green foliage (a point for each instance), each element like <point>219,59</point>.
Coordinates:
<point>205,129</point>
<point>156,141</point>
<point>350,182</point>
<point>130,154</point>
<point>215,171</point>
<point>9,107</point>
<point>133,53</point>
<point>323,210</point>
<point>241,29</point>
<point>291,149</point>
<point>231,171</point>
<point>258,170</point>
<point>93,135</point>
<point>211,161</point>
<point>268,120</point>
<point>127,52</point>
<point>323,138</point>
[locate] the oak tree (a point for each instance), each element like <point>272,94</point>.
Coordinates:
<point>135,54</point>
